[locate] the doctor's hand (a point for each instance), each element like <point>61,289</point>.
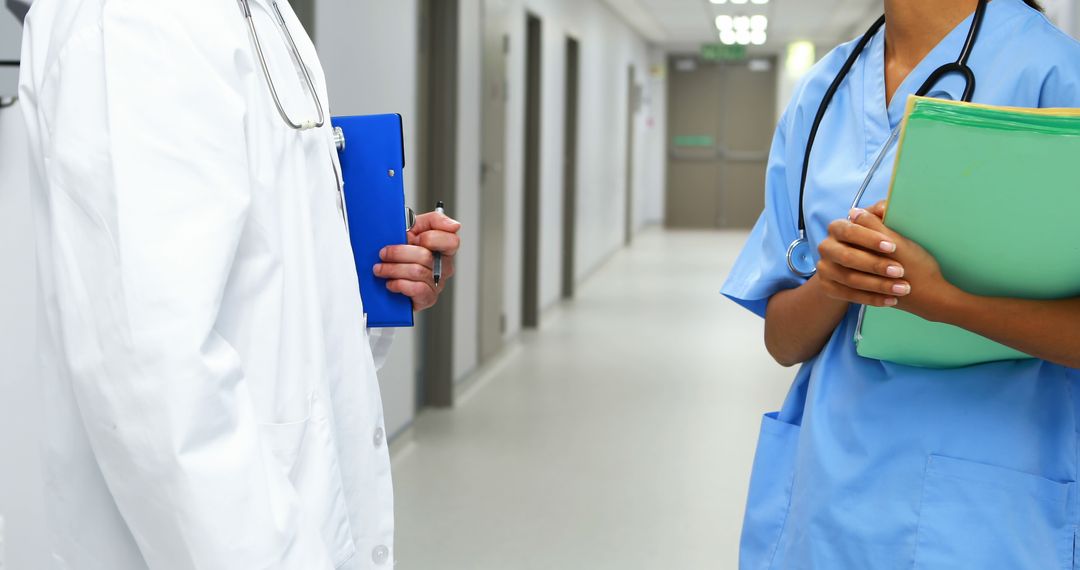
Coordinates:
<point>409,269</point>
<point>857,261</point>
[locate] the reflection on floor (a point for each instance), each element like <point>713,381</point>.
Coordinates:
<point>617,437</point>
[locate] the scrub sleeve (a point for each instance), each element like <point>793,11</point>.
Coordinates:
<point>760,272</point>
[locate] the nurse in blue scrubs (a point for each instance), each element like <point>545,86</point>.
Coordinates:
<point>873,465</point>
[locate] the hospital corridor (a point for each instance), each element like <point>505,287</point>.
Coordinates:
<point>587,448</point>
<point>539,284</point>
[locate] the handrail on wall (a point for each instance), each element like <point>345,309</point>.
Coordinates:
<point>8,63</point>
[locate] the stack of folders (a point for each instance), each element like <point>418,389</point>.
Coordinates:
<point>994,194</point>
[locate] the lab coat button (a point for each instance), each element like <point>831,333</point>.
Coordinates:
<point>380,555</point>
<point>380,437</point>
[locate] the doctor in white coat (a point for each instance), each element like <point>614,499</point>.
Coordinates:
<point>210,385</point>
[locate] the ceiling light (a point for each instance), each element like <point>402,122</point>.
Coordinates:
<point>727,37</point>
<point>741,23</point>
<point>738,1</point>
<point>743,37</point>
<point>724,22</point>
<point>800,58</point>
<point>759,23</point>
<point>758,37</point>
<point>760,1</point>
<point>722,1</point>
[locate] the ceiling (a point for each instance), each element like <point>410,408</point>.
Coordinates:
<point>686,24</point>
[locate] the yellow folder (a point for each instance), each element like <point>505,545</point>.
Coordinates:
<point>994,194</point>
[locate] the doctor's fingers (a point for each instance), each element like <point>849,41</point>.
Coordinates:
<point>849,231</point>
<point>858,259</point>
<point>864,282</point>
<point>423,295</point>
<point>446,243</point>
<point>405,271</point>
<point>435,221</point>
<point>408,254</point>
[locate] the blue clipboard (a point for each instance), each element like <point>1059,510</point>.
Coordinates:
<point>372,159</point>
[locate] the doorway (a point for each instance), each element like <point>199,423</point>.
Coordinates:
<point>721,120</point>
<point>492,316</point>
<point>530,295</point>
<point>570,161</point>
<point>437,175</point>
<point>305,12</point>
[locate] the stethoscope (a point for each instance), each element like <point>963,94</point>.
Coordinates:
<point>298,60</point>
<point>245,7</point>
<point>799,259</point>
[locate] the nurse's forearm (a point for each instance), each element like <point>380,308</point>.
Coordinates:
<point>1049,330</point>
<point>798,322</point>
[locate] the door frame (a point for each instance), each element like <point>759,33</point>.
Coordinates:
<point>530,290</point>
<point>572,98</point>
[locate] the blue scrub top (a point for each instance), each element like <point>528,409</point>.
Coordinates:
<point>872,465</point>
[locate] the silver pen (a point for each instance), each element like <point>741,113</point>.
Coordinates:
<point>438,254</point>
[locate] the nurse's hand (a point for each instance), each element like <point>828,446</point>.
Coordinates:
<point>928,290</point>
<point>409,269</point>
<point>857,261</point>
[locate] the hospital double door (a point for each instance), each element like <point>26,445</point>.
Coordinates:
<point>721,118</point>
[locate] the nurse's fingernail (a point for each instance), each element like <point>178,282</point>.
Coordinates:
<point>378,268</point>
<point>887,246</point>
<point>901,289</point>
<point>855,213</point>
<point>383,252</point>
<point>895,271</point>
<point>891,301</point>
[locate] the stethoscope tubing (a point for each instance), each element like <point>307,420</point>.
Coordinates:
<point>960,67</point>
<point>245,7</point>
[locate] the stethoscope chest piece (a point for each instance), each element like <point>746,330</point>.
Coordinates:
<point>799,258</point>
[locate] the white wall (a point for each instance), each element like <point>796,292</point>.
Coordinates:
<point>608,47</point>
<point>21,499</point>
<point>368,49</point>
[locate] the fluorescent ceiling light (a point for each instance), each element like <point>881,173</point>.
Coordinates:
<point>759,23</point>
<point>724,22</point>
<point>800,58</point>
<point>758,37</point>
<point>760,1</point>
<point>743,37</point>
<point>738,1</point>
<point>720,1</point>
<point>727,37</point>
<point>741,23</point>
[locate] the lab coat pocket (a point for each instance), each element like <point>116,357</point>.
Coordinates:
<point>286,440</point>
<point>984,517</point>
<point>770,493</point>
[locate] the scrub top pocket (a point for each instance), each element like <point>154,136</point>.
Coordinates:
<point>977,516</point>
<point>770,493</point>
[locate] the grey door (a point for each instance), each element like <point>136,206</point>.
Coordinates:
<point>436,176</point>
<point>721,120</point>
<point>492,323</point>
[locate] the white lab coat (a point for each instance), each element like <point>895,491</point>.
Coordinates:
<point>211,395</point>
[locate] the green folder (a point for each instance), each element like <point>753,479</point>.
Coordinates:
<point>1015,176</point>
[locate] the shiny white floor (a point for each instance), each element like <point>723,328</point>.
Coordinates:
<point>617,437</point>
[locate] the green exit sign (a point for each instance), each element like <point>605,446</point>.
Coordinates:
<point>722,52</point>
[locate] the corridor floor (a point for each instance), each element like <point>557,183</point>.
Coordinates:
<point>619,436</point>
